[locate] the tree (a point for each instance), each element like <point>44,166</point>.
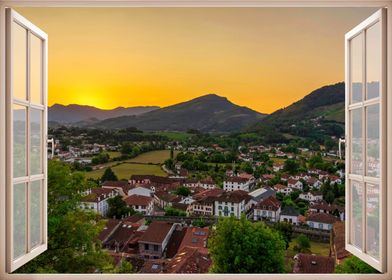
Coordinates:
<point>100,158</point>
<point>239,246</point>
<point>291,166</point>
<point>118,208</point>
<point>329,197</point>
<point>354,265</point>
<point>73,246</point>
<point>302,243</point>
<point>109,175</point>
<point>170,211</point>
<point>125,267</point>
<point>286,230</point>
<point>169,163</point>
<point>184,191</point>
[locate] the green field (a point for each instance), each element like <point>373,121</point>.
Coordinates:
<point>154,157</point>
<point>114,154</point>
<point>125,170</point>
<point>317,248</point>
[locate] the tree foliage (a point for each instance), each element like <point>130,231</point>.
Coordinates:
<point>354,265</point>
<point>302,244</point>
<point>109,175</point>
<point>239,246</point>
<point>118,208</point>
<point>73,246</point>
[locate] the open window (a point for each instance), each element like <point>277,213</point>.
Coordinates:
<point>366,140</point>
<point>26,140</point>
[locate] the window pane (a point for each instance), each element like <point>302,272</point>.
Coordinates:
<point>36,69</point>
<point>19,145</point>
<point>19,220</point>
<point>356,145</point>
<point>35,213</point>
<point>36,141</point>
<point>373,220</point>
<point>356,212</point>
<point>19,63</point>
<point>356,68</point>
<point>373,140</point>
<point>373,61</point>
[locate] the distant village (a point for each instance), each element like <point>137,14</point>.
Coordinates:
<point>168,230</point>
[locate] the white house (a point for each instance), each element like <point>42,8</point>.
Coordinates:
<point>295,184</point>
<point>97,200</point>
<point>141,204</point>
<point>321,221</point>
<point>312,196</point>
<point>232,203</point>
<point>277,166</point>
<point>313,182</point>
<point>236,183</point>
<point>268,209</point>
<point>289,215</point>
<point>279,188</point>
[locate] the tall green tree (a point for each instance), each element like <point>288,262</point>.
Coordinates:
<point>109,175</point>
<point>291,166</point>
<point>239,246</point>
<point>286,230</point>
<point>73,246</point>
<point>302,244</point>
<point>118,208</point>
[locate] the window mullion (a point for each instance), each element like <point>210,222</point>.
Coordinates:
<point>28,144</point>
<point>364,148</point>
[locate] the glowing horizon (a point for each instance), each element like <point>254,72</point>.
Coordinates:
<point>127,57</point>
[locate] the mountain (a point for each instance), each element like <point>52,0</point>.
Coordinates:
<point>208,113</point>
<point>87,114</point>
<point>318,114</point>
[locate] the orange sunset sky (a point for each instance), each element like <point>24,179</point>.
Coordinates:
<point>262,58</point>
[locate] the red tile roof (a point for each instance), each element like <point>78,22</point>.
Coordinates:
<point>99,194</point>
<point>305,263</point>
<point>195,237</point>
<point>138,200</point>
<point>322,218</point>
<point>270,203</point>
<point>236,179</point>
<point>189,260</point>
<point>156,232</point>
<point>235,196</point>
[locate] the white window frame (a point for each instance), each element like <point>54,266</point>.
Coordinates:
<point>13,17</point>
<point>190,3</point>
<point>377,17</point>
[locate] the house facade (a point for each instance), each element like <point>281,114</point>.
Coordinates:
<point>268,209</point>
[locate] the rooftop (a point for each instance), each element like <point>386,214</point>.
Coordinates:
<point>156,232</point>
<point>322,218</point>
<point>138,200</point>
<point>305,263</point>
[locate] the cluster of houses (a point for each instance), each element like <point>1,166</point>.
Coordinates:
<point>150,195</point>
<point>157,247</point>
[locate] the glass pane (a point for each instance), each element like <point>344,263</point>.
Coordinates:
<point>356,68</point>
<point>19,63</point>
<point>373,140</point>
<point>35,213</point>
<point>36,141</point>
<point>19,220</point>
<point>19,145</point>
<point>373,220</point>
<point>36,69</point>
<point>356,145</point>
<point>356,212</point>
<point>373,61</point>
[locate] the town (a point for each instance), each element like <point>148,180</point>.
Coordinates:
<point>171,207</point>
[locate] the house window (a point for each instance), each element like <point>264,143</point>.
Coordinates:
<point>156,248</point>
<point>146,247</point>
